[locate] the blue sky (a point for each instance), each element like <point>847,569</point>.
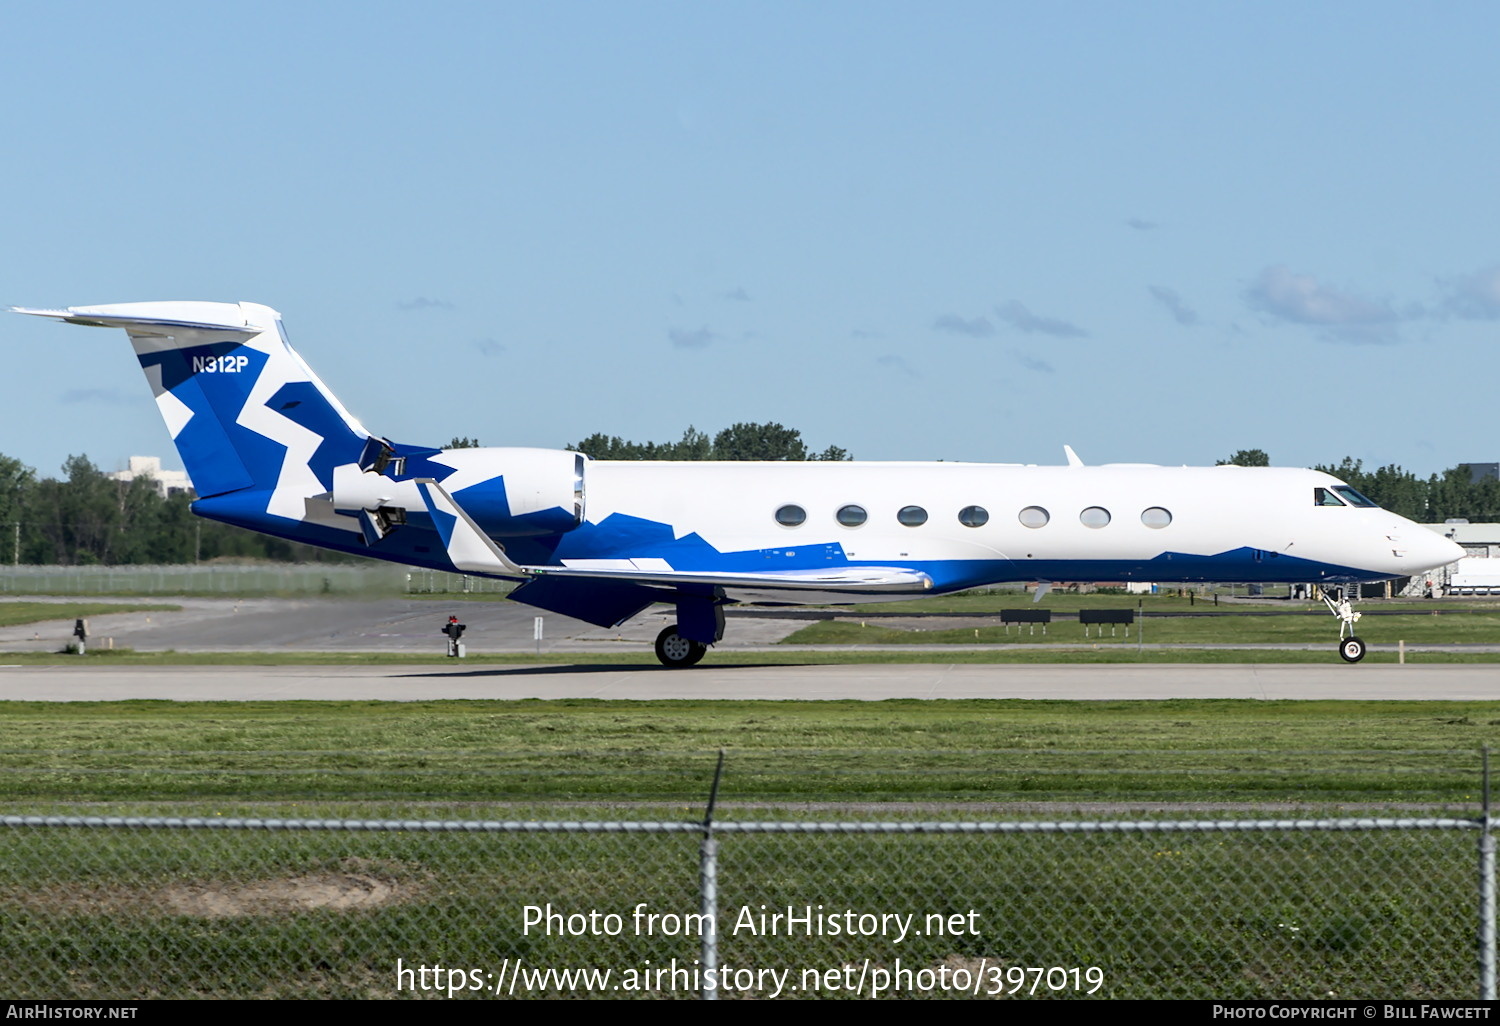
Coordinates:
<point>1159,232</point>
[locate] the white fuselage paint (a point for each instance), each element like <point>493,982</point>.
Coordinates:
<point>1213,510</point>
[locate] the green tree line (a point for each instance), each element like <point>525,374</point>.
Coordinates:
<point>769,441</point>
<point>86,517</point>
<point>1431,500</point>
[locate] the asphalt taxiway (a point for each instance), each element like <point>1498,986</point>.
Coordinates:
<point>412,626</point>
<point>98,682</point>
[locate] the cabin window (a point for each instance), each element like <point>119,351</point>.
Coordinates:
<point>1034,516</point>
<point>1156,517</point>
<point>973,516</point>
<point>1354,498</point>
<point>851,516</point>
<point>1094,516</point>
<point>790,516</point>
<point>912,516</point>
<point>1323,497</point>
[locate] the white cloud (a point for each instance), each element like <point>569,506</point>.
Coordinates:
<point>978,327</point>
<point>1022,319</point>
<point>423,303</point>
<point>899,364</point>
<point>1180,311</point>
<point>1303,299</point>
<point>1475,296</point>
<point>696,339</point>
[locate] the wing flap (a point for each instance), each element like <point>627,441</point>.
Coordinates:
<point>854,580</point>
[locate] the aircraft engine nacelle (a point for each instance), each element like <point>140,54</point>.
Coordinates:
<point>517,493</point>
<point>508,493</point>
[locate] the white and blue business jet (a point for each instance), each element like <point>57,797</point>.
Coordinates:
<point>270,448</point>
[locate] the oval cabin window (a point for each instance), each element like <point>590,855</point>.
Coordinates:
<point>1034,516</point>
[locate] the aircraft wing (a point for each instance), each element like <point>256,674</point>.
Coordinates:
<point>853,579</point>
<point>473,551</point>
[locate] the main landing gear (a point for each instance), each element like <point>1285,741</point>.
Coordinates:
<point>677,652</point>
<point>700,623</point>
<point>1351,649</point>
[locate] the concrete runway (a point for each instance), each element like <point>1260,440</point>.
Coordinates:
<point>859,682</point>
<point>409,625</point>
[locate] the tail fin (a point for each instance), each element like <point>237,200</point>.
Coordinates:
<point>243,408</point>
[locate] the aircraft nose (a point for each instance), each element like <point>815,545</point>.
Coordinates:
<point>1427,550</point>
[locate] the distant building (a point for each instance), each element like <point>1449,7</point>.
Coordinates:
<point>1481,471</point>
<point>168,482</point>
<point>1481,545</point>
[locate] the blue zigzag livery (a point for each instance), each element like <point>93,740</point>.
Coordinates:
<point>269,448</point>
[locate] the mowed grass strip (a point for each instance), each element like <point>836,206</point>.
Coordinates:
<point>778,752</point>
<point>1416,628</point>
<point>15,613</point>
<point>991,601</point>
<point>155,913</point>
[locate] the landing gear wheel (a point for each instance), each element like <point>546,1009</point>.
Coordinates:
<point>677,652</point>
<point>1336,598</point>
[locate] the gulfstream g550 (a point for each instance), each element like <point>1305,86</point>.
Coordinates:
<point>268,447</point>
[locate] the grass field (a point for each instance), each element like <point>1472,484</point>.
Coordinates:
<point>13,613</point>
<point>778,752</point>
<point>1221,628</point>
<point>155,913</point>
<point>161,913</point>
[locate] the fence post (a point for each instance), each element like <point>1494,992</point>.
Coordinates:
<point>708,892</point>
<point>1486,894</point>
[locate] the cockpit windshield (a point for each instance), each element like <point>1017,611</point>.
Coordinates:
<point>1354,498</point>
<point>1324,497</point>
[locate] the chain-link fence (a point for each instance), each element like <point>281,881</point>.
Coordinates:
<point>244,580</point>
<point>95,907</point>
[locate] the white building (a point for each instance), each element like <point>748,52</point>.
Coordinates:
<point>168,482</point>
<point>1477,573</point>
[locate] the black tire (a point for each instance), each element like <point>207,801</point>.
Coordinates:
<point>676,652</point>
<point>1351,649</point>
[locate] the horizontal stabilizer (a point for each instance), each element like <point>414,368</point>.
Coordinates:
<point>200,316</point>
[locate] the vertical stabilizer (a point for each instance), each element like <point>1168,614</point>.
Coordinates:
<point>243,409</point>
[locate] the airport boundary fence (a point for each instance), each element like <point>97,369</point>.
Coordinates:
<point>1357,906</point>
<point>242,580</point>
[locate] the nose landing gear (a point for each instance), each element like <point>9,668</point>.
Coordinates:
<point>1351,648</point>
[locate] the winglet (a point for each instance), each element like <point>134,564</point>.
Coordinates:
<point>1073,460</point>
